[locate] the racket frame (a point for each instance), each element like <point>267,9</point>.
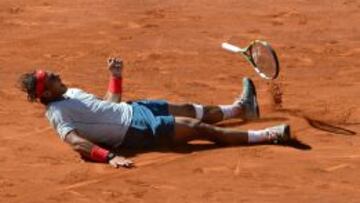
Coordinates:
<point>246,53</point>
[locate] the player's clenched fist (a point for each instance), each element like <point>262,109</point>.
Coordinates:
<point>118,161</point>
<point>115,66</point>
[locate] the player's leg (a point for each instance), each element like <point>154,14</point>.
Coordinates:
<point>246,107</point>
<point>187,129</point>
<point>207,114</point>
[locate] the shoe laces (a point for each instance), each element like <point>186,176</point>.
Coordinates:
<point>272,135</point>
<point>240,100</point>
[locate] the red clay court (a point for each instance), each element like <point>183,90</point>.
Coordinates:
<point>172,50</point>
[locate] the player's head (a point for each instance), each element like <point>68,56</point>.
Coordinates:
<point>43,85</point>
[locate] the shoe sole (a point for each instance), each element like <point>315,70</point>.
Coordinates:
<point>286,135</point>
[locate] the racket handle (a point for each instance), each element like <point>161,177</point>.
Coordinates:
<point>231,47</point>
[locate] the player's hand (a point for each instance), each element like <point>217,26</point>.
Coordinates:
<point>115,66</point>
<point>119,161</point>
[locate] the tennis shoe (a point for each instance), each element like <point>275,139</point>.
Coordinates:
<point>278,134</point>
<point>248,100</point>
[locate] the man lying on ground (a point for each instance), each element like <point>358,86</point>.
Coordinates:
<point>96,127</point>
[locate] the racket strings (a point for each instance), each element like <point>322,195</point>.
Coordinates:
<point>264,59</point>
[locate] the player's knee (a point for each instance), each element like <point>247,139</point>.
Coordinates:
<point>196,124</point>
<point>199,126</point>
<point>188,121</point>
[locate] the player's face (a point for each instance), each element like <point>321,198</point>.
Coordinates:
<point>54,84</point>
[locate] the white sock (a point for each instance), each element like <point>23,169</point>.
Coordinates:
<point>229,111</point>
<point>257,136</point>
<point>199,111</point>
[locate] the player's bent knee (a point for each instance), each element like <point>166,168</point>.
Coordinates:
<point>189,129</point>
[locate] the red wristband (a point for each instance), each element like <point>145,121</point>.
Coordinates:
<point>99,154</point>
<point>115,85</point>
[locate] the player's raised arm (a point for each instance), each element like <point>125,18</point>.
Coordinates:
<point>115,66</point>
<point>94,152</point>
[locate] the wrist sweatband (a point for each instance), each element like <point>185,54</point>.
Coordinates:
<point>99,154</point>
<point>115,85</point>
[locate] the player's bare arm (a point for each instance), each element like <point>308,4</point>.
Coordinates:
<point>115,67</point>
<point>86,149</point>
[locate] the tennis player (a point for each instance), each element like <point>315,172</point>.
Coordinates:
<point>96,127</point>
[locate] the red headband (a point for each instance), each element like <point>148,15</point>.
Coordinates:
<point>40,82</point>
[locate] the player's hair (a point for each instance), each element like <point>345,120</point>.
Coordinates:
<point>27,84</point>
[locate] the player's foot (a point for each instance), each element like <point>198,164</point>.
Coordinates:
<point>279,134</point>
<point>248,100</point>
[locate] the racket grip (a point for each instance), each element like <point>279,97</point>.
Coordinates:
<point>231,47</point>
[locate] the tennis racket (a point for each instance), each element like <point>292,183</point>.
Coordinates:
<point>260,55</point>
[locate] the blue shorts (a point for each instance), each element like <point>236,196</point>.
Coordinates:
<point>150,125</point>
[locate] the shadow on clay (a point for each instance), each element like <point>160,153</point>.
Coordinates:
<point>318,124</point>
<point>235,122</point>
<point>198,147</point>
<point>163,148</point>
<point>321,125</point>
<point>297,144</point>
